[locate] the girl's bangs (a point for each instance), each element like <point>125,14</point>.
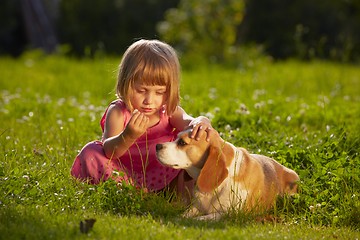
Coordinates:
<point>153,74</point>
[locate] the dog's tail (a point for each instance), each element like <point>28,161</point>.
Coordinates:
<point>291,180</point>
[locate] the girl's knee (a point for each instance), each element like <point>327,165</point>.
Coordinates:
<point>91,164</point>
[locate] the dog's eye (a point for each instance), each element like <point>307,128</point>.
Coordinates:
<point>181,142</point>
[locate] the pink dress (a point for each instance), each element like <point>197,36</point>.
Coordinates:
<point>138,165</point>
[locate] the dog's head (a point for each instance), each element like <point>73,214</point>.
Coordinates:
<point>196,156</point>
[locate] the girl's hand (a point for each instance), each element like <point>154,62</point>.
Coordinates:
<point>201,125</point>
<point>137,125</point>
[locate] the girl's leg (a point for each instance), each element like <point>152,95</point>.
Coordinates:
<point>184,186</point>
<point>93,166</point>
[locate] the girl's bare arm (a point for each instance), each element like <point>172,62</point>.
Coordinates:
<point>200,125</point>
<point>116,138</point>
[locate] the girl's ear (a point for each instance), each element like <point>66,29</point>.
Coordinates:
<point>214,171</point>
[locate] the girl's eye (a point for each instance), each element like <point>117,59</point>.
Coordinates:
<point>181,142</point>
<point>160,93</point>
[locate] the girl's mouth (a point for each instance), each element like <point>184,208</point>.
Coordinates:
<point>146,110</point>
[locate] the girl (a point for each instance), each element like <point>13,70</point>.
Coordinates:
<point>146,113</point>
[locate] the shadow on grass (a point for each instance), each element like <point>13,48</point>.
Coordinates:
<point>165,207</point>
<point>164,210</point>
<point>21,222</point>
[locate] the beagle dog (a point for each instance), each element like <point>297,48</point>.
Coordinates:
<point>227,177</point>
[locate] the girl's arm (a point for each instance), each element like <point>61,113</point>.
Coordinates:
<point>116,138</point>
<point>200,125</point>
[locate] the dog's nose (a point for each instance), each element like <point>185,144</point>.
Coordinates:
<point>159,147</point>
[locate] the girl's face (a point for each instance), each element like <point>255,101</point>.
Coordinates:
<point>148,99</point>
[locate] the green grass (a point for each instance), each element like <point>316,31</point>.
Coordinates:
<point>305,115</point>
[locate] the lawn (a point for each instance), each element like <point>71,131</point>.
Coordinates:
<point>305,115</point>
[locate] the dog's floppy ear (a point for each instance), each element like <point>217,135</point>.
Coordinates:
<point>214,171</point>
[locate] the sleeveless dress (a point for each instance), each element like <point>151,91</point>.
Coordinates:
<point>139,165</point>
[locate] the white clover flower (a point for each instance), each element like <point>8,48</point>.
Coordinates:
<point>217,109</point>
<point>91,107</point>
<point>26,177</point>
<point>304,127</point>
<point>242,110</point>
<point>259,105</point>
<point>258,92</point>
<point>213,93</point>
<point>61,101</point>
<point>327,128</point>
<point>209,115</point>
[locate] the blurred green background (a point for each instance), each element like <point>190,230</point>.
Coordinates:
<point>216,30</point>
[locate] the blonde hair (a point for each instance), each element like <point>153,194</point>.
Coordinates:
<point>151,62</point>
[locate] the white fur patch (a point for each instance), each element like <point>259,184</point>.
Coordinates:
<point>172,156</point>
<point>234,168</point>
<point>239,195</point>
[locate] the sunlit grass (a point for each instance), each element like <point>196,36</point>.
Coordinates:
<point>305,115</point>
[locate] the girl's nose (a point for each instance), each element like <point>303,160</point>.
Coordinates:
<point>148,98</point>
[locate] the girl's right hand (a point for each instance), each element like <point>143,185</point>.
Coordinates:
<point>137,125</point>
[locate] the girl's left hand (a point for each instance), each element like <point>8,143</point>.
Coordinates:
<point>201,125</point>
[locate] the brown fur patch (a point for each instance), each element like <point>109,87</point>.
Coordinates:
<point>214,171</point>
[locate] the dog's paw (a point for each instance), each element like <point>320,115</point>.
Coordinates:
<point>191,213</point>
<point>211,216</point>
<point>195,214</point>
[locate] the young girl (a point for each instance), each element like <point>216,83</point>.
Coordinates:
<point>146,113</point>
